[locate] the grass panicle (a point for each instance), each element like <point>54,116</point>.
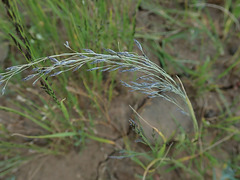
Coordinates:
<point>154,81</point>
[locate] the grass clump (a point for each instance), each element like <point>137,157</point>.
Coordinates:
<point>190,26</point>
<point>152,80</point>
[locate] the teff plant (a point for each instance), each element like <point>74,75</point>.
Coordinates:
<point>154,81</point>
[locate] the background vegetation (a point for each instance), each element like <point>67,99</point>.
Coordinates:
<point>196,41</point>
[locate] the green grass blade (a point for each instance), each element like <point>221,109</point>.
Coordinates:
<point>26,116</point>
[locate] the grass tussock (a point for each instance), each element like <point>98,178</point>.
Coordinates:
<point>192,41</point>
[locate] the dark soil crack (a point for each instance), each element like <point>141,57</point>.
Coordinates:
<point>111,153</point>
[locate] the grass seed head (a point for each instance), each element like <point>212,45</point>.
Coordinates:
<point>154,81</point>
